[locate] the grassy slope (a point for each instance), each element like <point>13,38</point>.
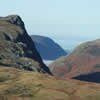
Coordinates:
<point>24,85</point>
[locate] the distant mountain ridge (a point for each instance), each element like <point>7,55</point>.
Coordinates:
<point>48,49</point>
<point>83,63</point>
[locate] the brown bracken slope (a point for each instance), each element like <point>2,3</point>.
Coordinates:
<point>84,60</point>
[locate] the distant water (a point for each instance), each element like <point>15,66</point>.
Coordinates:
<point>47,62</point>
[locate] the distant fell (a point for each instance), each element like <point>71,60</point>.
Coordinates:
<point>48,49</point>
<point>83,63</point>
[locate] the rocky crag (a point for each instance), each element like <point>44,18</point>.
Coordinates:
<point>16,46</point>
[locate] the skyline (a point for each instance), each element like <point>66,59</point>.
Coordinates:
<point>69,23</point>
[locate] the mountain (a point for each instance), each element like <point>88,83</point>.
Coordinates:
<point>83,63</point>
<point>16,46</point>
<point>18,84</point>
<point>22,70</point>
<point>48,49</point>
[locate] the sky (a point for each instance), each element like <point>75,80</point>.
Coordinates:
<point>68,22</point>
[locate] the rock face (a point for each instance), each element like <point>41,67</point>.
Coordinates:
<point>48,49</point>
<point>16,46</point>
<point>83,62</point>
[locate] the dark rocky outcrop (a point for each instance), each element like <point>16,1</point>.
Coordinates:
<point>16,46</point>
<point>48,49</point>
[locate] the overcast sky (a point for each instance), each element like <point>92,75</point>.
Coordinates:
<point>68,22</point>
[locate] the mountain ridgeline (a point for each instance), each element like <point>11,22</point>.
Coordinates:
<point>22,70</point>
<point>17,48</point>
<point>48,49</point>
<point>83,63</point>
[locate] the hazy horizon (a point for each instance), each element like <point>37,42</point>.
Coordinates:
<point>68,22</point>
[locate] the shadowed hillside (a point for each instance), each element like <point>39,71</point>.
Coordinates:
<point>48,49</point>
<point>93,77</point>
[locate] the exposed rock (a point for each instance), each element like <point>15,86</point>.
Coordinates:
<point>16,46</point>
